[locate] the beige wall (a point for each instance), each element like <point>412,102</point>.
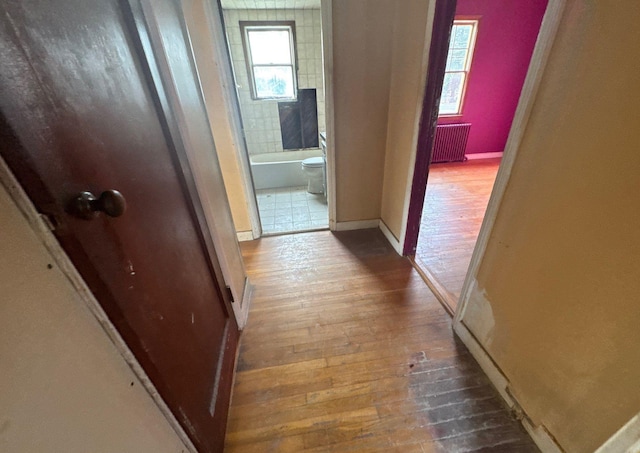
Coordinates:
<point>555,301</point>
<point>63,385</point>
<point>362,43</point>
<point>406,92</point>
<point>228,143</point>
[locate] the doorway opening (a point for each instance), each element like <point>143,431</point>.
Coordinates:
<point>489,50</point>
<point>276,55</point>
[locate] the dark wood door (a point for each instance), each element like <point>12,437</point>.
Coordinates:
<point>79,113</point>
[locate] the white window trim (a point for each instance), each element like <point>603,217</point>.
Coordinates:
<point>245,27</point>
<point>467,64</point>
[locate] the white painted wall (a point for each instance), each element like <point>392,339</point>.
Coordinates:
<point>63,385</point>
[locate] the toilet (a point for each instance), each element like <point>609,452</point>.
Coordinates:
<point>313,169</point>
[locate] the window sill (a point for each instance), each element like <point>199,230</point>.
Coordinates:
<point>275,99</point>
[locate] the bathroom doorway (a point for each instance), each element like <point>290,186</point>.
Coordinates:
<point>275,48</point>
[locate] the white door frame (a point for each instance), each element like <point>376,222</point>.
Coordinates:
<point>222,56</point>
<point>226,254</point>
<point>326,11</point>
<point>234,107</point>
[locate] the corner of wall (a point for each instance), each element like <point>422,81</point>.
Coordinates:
<point>412,37</point>
<point>393,240</point>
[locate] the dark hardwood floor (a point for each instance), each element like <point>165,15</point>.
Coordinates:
<point>346,349</point>
<point>454,206</point>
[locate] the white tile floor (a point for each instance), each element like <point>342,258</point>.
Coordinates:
<point>291,209</point>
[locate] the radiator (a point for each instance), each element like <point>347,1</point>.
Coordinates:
<point>450,142</point>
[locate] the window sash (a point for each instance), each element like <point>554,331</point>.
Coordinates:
<point>291,80</point>
<point>455,108</point>
<point>289,91</point>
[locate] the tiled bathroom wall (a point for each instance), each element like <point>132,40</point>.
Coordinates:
<point>260,118</point>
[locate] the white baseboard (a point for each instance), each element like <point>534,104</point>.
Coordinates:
<point>357,225</point>
<point>244,236</point>
<point>538,433</point>
<point>626,440</point>
<point>373,223</point>
<point>395,243</point>
<point>491,370</point>
<point>474,156</point>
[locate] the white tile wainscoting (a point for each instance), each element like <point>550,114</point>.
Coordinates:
<point>260,117</point>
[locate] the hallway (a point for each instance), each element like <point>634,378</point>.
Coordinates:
<point>346,349</point>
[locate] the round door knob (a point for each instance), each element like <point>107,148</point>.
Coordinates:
<point>87,206</point>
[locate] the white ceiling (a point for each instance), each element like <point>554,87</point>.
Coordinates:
<point>270,4</point>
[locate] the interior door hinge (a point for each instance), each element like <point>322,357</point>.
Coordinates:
<point>229,293</point>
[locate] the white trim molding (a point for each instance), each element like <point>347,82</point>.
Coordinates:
<point>195,147</point>
<point>356,225</point>
<point>476,156</point>
<point>367,224</point>
<point>546,37</point>
<point>327,59</point>
<point>538,433</point>
<point>220,53</point>
<point>245,236</point>
<point>395,243</point>
<point>625,440</point>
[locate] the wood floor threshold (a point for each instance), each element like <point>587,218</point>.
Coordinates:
<point>446,299</point>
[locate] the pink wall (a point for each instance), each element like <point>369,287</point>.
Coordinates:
<point>507,33</point>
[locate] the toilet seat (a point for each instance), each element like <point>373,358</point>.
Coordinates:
<point>313,162</point>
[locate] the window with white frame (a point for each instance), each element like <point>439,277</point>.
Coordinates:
<point>269,49</point>
<point>463,37</point>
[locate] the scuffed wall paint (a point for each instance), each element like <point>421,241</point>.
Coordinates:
<point>561,271</point>
<point>481,313</point>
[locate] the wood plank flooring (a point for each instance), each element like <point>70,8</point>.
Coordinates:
<point>346,349</point>
<point>454,206</point>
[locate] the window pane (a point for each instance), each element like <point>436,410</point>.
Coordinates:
<point>274,81</point>
<point>460,36</point>
<point>270,46</point>
<point>456,60</point>
<point>451,93</point>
